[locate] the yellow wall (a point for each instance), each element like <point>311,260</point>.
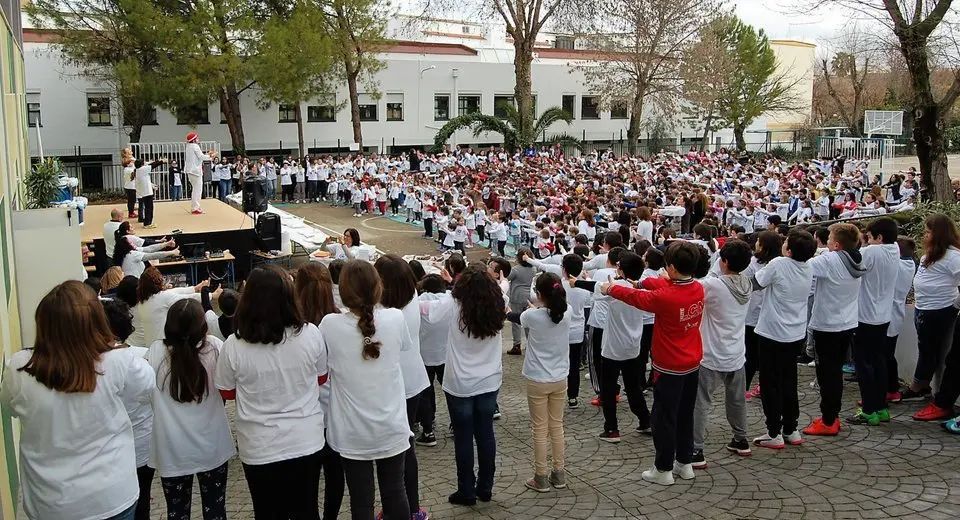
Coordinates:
<point>795,60</point>
<point>13,164</point>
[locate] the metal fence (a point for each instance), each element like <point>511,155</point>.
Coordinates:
<point>876,150</point>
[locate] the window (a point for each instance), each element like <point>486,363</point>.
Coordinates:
<point>394,107</point>
<point>288,114</point>
<point>198,114</point>
<point>469,104</point>
<point>499,104</point>
<point>325,112</point>
<point>564,42</point>
<point>33,114</point>
<point>465,29</point>
<point>441,107</point>
<point>149,116</point>
<point>98,110</point>
<point>368,107</point>
<point>619,110</point>
<point>589,107</point>
<point>569,104</point>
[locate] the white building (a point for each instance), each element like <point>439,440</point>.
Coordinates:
<point>434,71</point>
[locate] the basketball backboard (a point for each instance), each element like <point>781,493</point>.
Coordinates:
<point>883,122</point>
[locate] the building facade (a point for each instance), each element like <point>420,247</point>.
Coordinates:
<point>13,166</point>
<point>434,70</point>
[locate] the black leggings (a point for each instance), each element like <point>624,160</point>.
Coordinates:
<point>286,488</point>
<point>753,358</point>
<point>427,408</point>
<point>333,482</point>
<point>178,492</point>
<point>393,495</point>
<point>131,200</point>
<point>145,478</point>
<point>411,470</point>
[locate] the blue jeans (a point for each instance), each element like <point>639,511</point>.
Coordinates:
<point>176,192</point>
<point>472,420</point>
<point>128,514</point>
<point>224,189</point>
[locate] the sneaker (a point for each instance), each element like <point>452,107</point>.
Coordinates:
<point>558,479</point>
<point>151,226</point>
<point>812,364</point>
<point>197,212</point>
<point>755,392</point>
<point>596,401</point>
<point>538,483</point>
<point>644,429</point>
<point>459,499</point>
<point>427,439</point>
<point>748,395</point>
<point>818,427</point>
<point>907,394</point>
<point>766,441</point>
<point>794,439</point>
<point>496,413</point>
<point>586,376</point>
<point>684,471</point>
<point>654,475</point>
<point>870,419</point>
<point>573,403</point>
<point>698,462</point>
<point>884,415</point>
<point>893,397</point>
<point>468,246</point>
<point>515,351</point>
<point>953,426</point>
<point>933,413</point>
<point>804,359</point>
<point>740,447</point>
<point>131,215</point>
<point>612,437</point>
<point>849,368</point>
<point>421,515</point>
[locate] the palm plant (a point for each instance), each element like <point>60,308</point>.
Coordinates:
<point>42,183</point>
<point>514,136</point>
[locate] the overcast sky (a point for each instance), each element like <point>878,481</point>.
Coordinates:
<point>780,19</point>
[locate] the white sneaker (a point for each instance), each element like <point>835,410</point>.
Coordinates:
<point>684,471</point>
<point>794,439</point>
<point>664,478</point>
<point>766,441</point>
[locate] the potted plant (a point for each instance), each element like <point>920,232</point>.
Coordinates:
<point>43,183</point>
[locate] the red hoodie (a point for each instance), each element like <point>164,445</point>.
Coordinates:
<point>678,306</point>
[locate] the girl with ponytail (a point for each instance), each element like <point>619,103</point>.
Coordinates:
<point>368,413</point>
<point>191,435</point>
<point>545,368</point>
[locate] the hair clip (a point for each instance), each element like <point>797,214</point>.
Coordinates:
<point>367,340</point>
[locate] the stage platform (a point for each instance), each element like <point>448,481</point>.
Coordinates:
<point>168,216</point>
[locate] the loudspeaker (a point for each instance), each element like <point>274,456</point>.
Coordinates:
<point>254,198</point>
<point>268,232</point>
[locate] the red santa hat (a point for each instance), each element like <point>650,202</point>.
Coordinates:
<point>192,136</point>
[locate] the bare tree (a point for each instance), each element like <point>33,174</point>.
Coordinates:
<point>847,75</point>
<point>640,47</point>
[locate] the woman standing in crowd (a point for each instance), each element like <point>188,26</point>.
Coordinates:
<point>131,257</point>
<point>400,292</point>
<point>433,350</point>
<point>474,372</point>
<point>76,441</point>
<point>935,289</point>
<point>368,416</point>
<point>191,435</point>
<point>587,224</point>
<point>645,225</point>
<point>154,298</point>
<point>520,278</point>
<point>274,365</point>
<point>545,368</point>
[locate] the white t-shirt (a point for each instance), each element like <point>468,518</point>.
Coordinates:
<point>935,287</point>
<point>153,312</point>
<point>411,364</point>
<point>600,306</point>
<point>905,271</point>
<point>188,437</point>
<point>128,183</point>
<point>77,454</point>
<point>433,336</point>
<point>141,417</point>
<point>578,300</point>
<point>645,230</point>
<point>882,262</point>
<point>722,327</point>
<point>835,294</point>
<point>783,315</point>
<point>587,229</point>
<point>144,184</point>
<point>548,351</point>
<point>279,415</point>
<point>109,236</point>
<point>473,366</point>
<point>756,297</point>
<point>624,328</point>
<point>368,412</point>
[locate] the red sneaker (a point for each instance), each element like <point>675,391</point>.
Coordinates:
<point>932,413</point>
<point>817,427</point>
<point>197,212</point>
<point>618,398</point>
<point>893,397</point>
<point>596,401</point>
<point>755,392</point>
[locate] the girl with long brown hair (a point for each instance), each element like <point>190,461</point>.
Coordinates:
<point>368,414</point>
<point>77,454</point>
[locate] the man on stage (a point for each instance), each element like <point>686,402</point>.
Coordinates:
<point>193,166</point>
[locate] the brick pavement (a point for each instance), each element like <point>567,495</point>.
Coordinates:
<point>900,469</point>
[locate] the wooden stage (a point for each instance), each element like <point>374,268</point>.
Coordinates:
<point>168,216</point>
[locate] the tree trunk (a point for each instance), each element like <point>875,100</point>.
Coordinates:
<point>230,106</point>
<point>706,129</point>
<point>738,136</point>
<point>523,89</point>
<point>931,142</point>
<point>298,112</point>
<point>135,130</point>
<point>352,77</point>
<point>636,119</point>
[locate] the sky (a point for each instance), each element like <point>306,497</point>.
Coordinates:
<point>781,19</point>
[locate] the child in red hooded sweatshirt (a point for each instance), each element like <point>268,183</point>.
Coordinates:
<point>676,351</point>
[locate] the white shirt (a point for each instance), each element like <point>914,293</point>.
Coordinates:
<point>722,327</point>
<point>600,306</point>
<point>109,236</point>
<point>548,352</point>
<point>133,262</point>
<point>433,336</point>
<point>935,287</point>
<point>783,314</point>
<point>153,312</point>
<point>193,158</point>
<point>192,437</point>
<point>411,364</point>
<point>77,454</point>
<point>587,229</point>
<point>473,366</point>
<point>144,184</point>
<point>368,412</point>
<point>877,287</point>
<point>279,415</point>
<point>645,230</point>
<point>624,327</point>
<point>141,416</point>
<point>905,271</point>
<point>835,294</point>
<point>578,300</point>
<point>128,182</point>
